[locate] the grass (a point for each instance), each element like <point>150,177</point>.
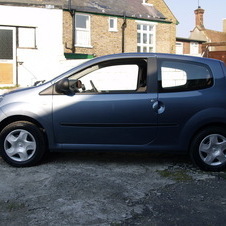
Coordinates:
<point>11,206</point>
<point>177,175</point>
<point>9,87</point>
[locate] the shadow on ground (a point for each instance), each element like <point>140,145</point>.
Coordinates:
<point>118,157</point>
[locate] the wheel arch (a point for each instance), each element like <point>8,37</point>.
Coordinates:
<point>206,118</point>
<point>16,118</point>
<point>203,127</point>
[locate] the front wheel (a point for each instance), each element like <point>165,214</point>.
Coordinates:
<point>208,149</point>
<point>22,144</point>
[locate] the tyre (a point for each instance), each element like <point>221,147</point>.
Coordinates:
<point>22,144</point>
<point>208,149</point>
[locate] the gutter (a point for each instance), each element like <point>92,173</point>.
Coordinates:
<point>33,4</point>
<point>124,25</point>
<point>122,16</point>
<point>72,13</point>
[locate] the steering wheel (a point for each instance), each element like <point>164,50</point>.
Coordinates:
<point>93,86</point>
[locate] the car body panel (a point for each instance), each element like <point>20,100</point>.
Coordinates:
<point>105,119</point>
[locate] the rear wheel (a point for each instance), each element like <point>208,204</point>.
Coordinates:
<point>22,144</point>
<point>208,149</point>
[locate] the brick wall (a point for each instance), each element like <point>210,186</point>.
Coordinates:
<point>67,31</point>
<point>102,40</point>
<point>186,49</point>
<point>166,33</point>
<point>166,38</point>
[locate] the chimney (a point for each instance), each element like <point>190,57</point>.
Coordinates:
<point>199,18</point>
<point>224,25</point>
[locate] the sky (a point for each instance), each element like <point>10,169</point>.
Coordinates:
<point>183,10</point>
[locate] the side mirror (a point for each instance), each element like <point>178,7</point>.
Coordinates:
<point>62,86</point>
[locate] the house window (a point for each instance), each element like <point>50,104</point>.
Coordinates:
<point>6,44</point>
<point>179,48</point>
<point>26,37</point>
<point>113,24</point>
<point>145,37</point>
<point>194,48</point>
<point>82,30</point>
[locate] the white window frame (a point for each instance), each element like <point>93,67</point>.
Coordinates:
<point>83,35</point>
<point>179,48</point>
<point>115,24</point>
<point>148,32</point>
<point>194,48</point>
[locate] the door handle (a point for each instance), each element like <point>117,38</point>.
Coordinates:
<point>158,107</point>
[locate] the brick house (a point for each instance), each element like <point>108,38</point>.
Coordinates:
<point>95,28</point>
<point>187,46</point>
<point>37,35</point>
<point>201,33</point>
<point>215,41</point>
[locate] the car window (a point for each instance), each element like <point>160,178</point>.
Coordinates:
<point>114,77</point>
<point>176,76</point>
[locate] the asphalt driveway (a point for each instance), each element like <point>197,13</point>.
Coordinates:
<point>112,189</point>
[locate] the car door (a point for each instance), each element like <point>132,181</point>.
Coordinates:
<point>183,95</point>
<point>111,105</point>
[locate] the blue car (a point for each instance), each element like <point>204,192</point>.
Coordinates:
<point>126,102</point>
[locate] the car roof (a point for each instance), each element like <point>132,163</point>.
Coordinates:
<point>208,61</point>
<point>157,55</point>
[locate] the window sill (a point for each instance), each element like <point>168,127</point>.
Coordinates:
<point>113,30</point>
<point>27,47</point>
<point>81,46</point>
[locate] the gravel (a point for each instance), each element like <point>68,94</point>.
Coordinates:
<point>112,189</point>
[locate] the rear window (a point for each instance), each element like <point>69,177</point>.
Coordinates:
<point>177,76</point>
